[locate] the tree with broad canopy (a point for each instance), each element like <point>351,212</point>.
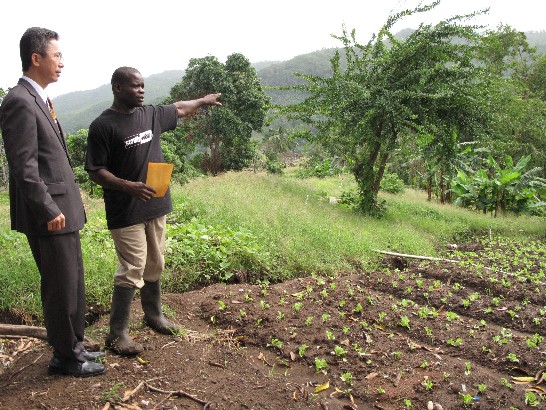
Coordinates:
<point>427,84</point>
<point>226,131</point>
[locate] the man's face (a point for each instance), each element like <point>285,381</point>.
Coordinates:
<point>131,92</point>
<point>51,63</point>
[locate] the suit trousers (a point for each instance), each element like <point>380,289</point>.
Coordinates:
<point>59,261</point>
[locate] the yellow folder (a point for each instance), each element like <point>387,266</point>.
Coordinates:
<point>159,177</point>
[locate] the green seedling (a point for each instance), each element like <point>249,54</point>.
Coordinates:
<point>339,351</point>
<point>275,343</point>
<point>534,341</point>
<point>321,365</point>
<point>330,335</point>
<point>531,399</point>
<point>302,349</point>
<point>428,384</point>
<point>506,383</point>
<point>512,357</point>
<point>455,343</point>
<point>347,378</point>
<point>467,399</point>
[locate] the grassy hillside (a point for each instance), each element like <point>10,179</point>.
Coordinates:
<point>271,228</point>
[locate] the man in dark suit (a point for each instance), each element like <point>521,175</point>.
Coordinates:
<point>45,202</point>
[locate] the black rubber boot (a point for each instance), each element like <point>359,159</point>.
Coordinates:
<point>119,340</point>
<point>150,296</point>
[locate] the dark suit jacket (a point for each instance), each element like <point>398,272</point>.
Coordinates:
<point>42,183</point>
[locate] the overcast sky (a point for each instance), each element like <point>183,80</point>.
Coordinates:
<point>154,36</point>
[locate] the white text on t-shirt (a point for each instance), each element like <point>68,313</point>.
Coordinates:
<point>139,139</point>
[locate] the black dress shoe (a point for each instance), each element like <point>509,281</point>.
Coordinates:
<point>92,356</point>
<point>76,369</point>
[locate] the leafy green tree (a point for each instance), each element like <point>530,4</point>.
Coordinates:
<point>504,49</point>
<point>77,147</point>
<point>393,89</point>
<point>226,131</point>
<point>519,96</point>
<point>429,161</point>
<point>536,77</point>
<point>520,128</point>
<point>177,147</point>
<point>277,141</point>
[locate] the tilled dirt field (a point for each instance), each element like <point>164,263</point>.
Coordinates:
<point>416,334</point>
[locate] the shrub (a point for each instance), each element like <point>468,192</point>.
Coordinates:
<point>209,254</point>
<point>392,183</point>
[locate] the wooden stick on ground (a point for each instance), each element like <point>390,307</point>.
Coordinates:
<point>179,393</point>
<point>23,331</point>
<point>430,258</point>
<point>18,331</point>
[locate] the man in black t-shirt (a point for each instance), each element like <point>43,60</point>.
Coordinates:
<point>122,141</point>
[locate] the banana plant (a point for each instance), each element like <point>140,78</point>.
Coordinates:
<point>495,188</point>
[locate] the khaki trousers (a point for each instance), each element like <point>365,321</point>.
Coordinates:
<point>140,249</point>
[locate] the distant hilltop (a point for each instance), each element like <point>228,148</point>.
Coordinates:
<point>78,109</point>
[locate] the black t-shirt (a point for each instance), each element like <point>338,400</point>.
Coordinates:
<point>124,144</point>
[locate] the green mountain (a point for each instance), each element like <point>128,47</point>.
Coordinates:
<point>78,109</point>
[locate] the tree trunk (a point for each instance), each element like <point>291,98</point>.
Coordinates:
<point>429,187</point>
<point>379,176</point>
<point>442,188</point>
<point>383,161</point>
<point>365,176</point>
<point>215,156</point>
<point>447,188</point>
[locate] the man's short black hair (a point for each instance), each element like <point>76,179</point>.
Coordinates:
<point>35,40</point>
<point>122,74</point>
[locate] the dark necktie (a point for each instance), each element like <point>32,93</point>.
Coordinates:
<point>52,110</point>
<point>54,116</point>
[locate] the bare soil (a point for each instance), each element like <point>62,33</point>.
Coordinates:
<point>419,334</point>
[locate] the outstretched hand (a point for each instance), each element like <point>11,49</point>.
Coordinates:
<point>212,99</point>
<point>188,109</point>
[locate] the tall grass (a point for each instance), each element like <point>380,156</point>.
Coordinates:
<point>20,290</point>
<point>292,219</point>
<point>295,220</point>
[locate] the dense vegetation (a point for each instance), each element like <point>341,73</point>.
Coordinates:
<point>256,227</point>
<point>463,121</point>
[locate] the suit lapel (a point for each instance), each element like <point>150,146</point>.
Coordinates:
<point>45,109</point>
